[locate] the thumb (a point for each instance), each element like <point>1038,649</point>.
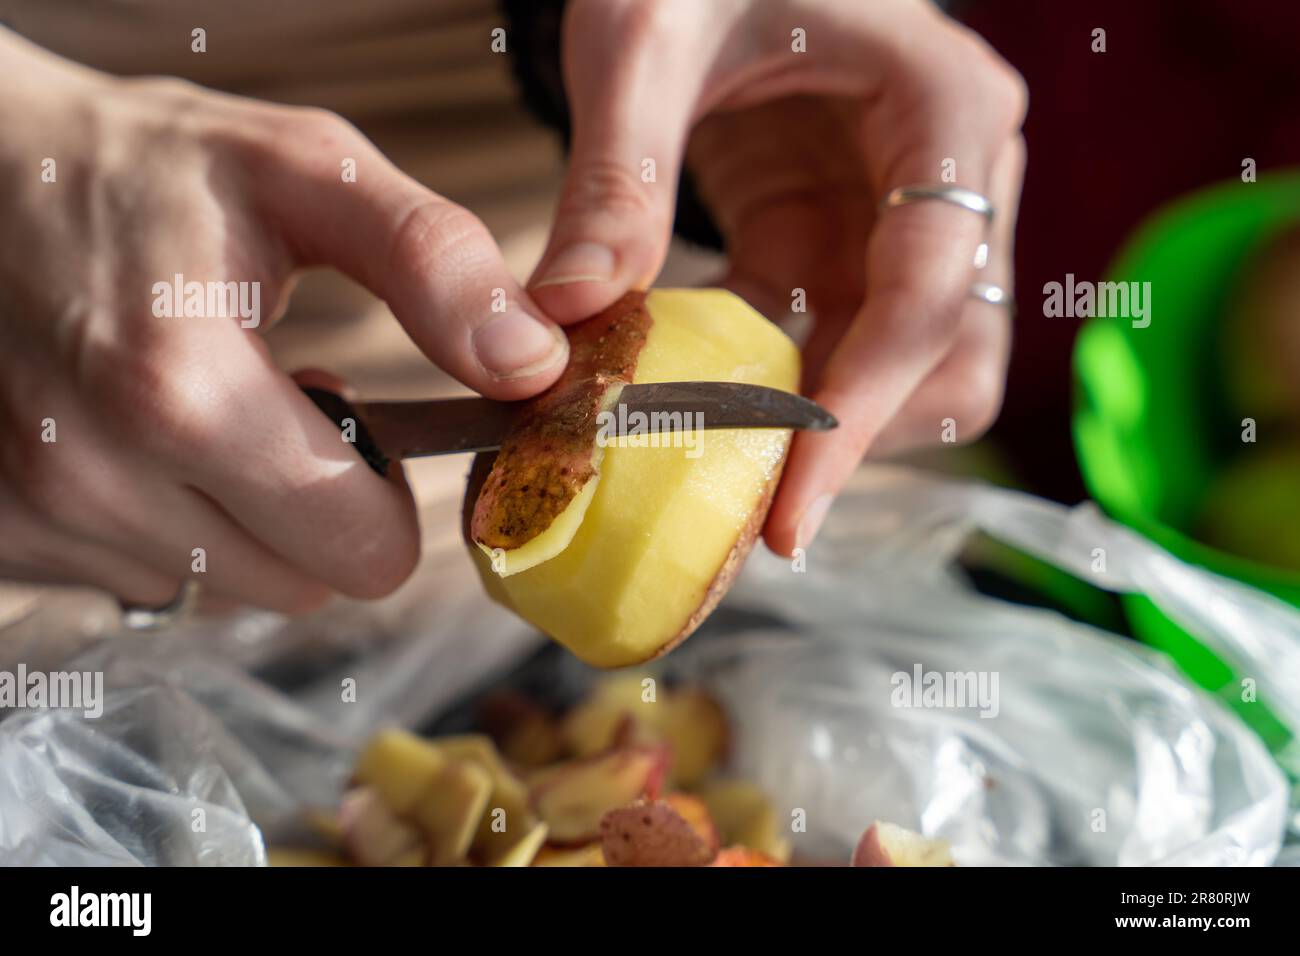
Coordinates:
<point>632,90</point>
<point>433,262</point>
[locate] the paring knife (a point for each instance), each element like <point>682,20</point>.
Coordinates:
<point>385,431</point>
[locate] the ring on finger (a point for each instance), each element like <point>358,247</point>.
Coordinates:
<point>993,294</point>
<point>139,618</point>
<point>943,192</point>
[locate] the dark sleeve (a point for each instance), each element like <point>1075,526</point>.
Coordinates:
<point>533,32</point>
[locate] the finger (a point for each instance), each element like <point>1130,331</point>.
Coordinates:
<point>919,274</point>
<point>319,378</point>
<point>632,89</point>
<point>432,261</point>
<point>817,334</point>
<point>919,270</point>
<point>960,400</point>
<point>227,423</point>
<point>200,541</point>
<point>216,605</point>
<point>131,509</point>
<point>39,552</point>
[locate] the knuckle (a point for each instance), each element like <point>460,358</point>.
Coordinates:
<point>439,237</point>
<point>998,86</point>
<point>632,22</point>
<point>288,133</point>
<point>179,425</point>
<point>153,404</point>
<point>974,75</point>
<point>1010,93</point>
<point>173,91</point>
<point>917,321</point>
<point>645,21</point>
<point>321,127</point>
<point>609,186</point>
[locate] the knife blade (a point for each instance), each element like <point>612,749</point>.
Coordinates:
<point>383,431</point>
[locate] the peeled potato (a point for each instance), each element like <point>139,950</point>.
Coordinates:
<point>620,552</point>
<point>887,844</point>
<point>588,855</point>
<point>509,832</point>
<point>295,856</point>
<point>615,712</point>
<point>376,836</point>
<point>745,816</point>
<point>695,726</point>
<point>399,766</point>
<point>524,850</point>
<point>689,720</point>
<point>572,797</point>
<point>450,810</point>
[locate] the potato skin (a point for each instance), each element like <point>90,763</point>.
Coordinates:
<point>549,453</point>
<point>652,834</point>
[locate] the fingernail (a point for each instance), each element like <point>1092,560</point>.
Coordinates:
<point>811,521</point>
<point>580,262</point>
<point>516,345</point>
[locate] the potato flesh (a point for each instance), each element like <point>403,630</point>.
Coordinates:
<point>399,766</point>
<point>887,844</point>
<point>660,524</point>
<point>551,541</point>
<point>744,815</point>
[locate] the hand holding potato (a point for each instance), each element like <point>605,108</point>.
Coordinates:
<point>796,119</point>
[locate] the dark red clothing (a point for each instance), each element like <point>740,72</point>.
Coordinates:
<point>1184,92</point>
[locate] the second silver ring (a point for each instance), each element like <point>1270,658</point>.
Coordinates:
<point>993,294</point>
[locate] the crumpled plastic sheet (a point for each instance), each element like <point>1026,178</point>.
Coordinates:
<point>243,718</point>
<point>1100,752</point>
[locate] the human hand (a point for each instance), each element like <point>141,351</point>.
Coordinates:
<point>131,436</point>
<point>793,152</point>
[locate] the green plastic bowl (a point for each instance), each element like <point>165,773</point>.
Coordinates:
<point>1150,419</point>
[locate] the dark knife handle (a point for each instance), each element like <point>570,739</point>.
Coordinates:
<point>340,411</point>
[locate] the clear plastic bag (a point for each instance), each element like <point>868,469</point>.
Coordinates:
<point>1100,753</point>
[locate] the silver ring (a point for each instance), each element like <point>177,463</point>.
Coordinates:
<point>966,198</point>
<point>137,618</point>
<point>992,294</point>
